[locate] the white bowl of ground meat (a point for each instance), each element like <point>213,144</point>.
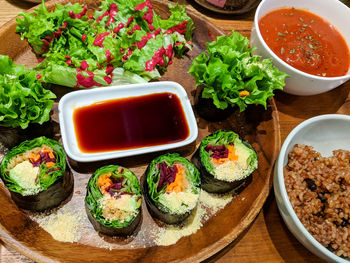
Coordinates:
<point>312,185</point>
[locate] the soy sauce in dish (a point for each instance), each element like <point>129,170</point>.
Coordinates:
<point>129,123</point>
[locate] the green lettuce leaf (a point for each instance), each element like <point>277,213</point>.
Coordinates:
<point>230,76</point>
<point>23,99</point>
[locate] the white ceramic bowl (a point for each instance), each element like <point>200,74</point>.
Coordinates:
<point>325,133</point>
<point>76,99</point>
<point>300,83</point>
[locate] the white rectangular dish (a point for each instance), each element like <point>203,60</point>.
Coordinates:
<point>77,99</point>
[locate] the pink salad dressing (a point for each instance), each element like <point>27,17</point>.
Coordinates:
<point>145,39</point>
<point>84,65</point>
<point>109,69</point>
<point>100,38</point>
<point>148,16</point>
<point>109,57</point>
<point>117,29</point>
<point>158,58</point>
<point>78,16</point>
<point>181,28</point>
<point>86,82</point>
<point>130,19</point>
<point>112,13</point>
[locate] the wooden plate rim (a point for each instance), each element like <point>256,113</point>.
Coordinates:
<point>208,251</point>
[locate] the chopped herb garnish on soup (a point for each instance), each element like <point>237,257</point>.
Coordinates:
<point>312,45</point>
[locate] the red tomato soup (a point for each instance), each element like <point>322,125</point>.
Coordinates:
<point>306,42</point>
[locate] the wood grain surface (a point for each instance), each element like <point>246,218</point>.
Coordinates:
<point>267,239</point>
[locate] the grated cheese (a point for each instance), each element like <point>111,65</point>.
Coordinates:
<point>63,225</point>
<point>179,202</point>
<point>118,209</point>
<point>234,170</point>
<point>208,205</point>
<point>215,202</point>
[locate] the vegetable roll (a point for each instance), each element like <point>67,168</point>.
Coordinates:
<point>113,200</point>
<point>35,174</point>
<point>224,161</point>
<point>172,188</point>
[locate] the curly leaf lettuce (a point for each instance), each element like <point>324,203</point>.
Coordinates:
<point>23,99</point>
<point>231,76</point>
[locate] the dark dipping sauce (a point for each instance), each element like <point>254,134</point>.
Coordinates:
<point>129,123</point>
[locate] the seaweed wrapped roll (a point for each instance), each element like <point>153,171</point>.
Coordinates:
<point>172,188</point>
<point>224,161</point>
<point>35,174</point>
<point>113,200</point>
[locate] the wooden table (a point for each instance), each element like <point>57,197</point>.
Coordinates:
<point>267,239</point>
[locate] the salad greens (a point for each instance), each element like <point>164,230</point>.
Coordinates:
<point>123,42</point>
<point>230,76</point>
<point>23,99</point>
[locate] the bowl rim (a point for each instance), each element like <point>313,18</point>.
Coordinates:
<point>282,188</point>
<point>289,67</point>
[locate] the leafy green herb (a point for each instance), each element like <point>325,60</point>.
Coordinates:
<point>228,68</point>
<point>282,50</point>
<point>23,99</point>
<point>73,55</point>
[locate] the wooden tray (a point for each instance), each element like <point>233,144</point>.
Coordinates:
<point>258,126</point>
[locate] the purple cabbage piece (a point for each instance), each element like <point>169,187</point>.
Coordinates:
<point>116,186</point>
<point>218,151</point>
<point>37,163</point>
<point>53,170</point>
<point>44,157</point>
<point>167,175</point>
<point>112,193</point>
<point>126,193</point>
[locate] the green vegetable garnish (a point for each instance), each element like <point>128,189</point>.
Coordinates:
<point>231,76</point>
<point>123,42</point>
<point>23,99</point>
